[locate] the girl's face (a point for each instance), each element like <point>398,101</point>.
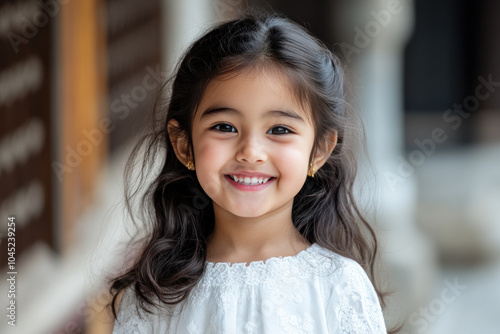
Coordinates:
<point>252,142</point>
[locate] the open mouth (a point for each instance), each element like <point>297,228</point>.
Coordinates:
<point>250,181</point>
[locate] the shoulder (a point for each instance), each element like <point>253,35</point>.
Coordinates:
<point>118,301</point>
<point>125,303</point>
<point>334,265</point>
<point>352,301</point>
<point>129,314</point>
<point>344,273</point>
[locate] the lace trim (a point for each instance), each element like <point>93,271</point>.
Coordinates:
<point>312,260</point>
<point>259,263</point>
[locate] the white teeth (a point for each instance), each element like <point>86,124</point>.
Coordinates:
<point>250,181</point>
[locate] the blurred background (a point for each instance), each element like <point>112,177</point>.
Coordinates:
<point>78,80</point>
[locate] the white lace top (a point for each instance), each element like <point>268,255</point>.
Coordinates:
<point>316,291</point>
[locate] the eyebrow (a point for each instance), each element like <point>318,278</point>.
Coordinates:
<point>271,113</point>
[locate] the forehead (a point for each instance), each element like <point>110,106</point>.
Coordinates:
<point>262,87</point>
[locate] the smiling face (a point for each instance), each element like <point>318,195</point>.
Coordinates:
<point>252,142</point>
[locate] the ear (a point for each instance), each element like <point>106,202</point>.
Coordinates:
<point>321,157</point>
<point>179,141</point>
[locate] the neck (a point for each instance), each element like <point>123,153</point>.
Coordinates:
<point>246,239</point>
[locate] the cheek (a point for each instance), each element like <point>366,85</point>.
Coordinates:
<point>293,160</point>
<point>210,158</point>
<point>210,153</point>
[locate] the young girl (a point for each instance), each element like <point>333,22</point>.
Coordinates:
<point>254,226</point>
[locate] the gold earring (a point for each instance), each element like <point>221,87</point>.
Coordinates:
<point>311,171</point>
<point>190,165</point>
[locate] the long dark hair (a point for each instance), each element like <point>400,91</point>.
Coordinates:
<point>176,212</point>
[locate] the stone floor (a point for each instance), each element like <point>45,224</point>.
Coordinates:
<point>476,309</point>
<point>459,211</point>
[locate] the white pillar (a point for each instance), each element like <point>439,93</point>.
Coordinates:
<point>374,34</point>
<point>183,22</point>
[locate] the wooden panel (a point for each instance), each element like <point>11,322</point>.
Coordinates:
<point>133,56</point>
<point>84,142</point>
<point>25,125</point>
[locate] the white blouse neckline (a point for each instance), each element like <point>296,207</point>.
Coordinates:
<point>313,259</point>
<point>262,263</point>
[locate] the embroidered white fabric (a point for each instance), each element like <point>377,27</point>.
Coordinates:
<point>316,291</point>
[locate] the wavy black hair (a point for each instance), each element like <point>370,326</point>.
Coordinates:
<point>177,212</point>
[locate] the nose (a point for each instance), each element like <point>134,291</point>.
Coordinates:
<point>251,150</point>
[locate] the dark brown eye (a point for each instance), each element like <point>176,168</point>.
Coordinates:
<point>279,130</point>
<point>224,127</point>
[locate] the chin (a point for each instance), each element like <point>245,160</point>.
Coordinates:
<point>248,213</point>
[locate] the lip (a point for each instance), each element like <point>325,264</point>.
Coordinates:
<point>244,187</point>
